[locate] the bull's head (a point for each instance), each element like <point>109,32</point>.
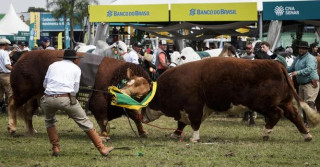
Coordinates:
<point>136,87</point>
<point>176,59</point>
<point>120,47</point>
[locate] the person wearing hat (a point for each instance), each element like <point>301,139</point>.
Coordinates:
<point>133,56</point>
<point>5,70</point>
<point>249,53</point>
<point>45,42</point>
<point>304,67</point>
<point>61,83</point>
<point>161,62</point>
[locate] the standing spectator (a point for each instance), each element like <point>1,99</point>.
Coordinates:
<point>46,42</point>
<point>266,52</point>
<point>249,52</point>
<point>133,55</point>
<point>161,57</point>
<point>61,83</point>
<point>21,46</point>
<point>314,49</point>
<point>231,51</point>
<point>304,67</point>
<point>224,52</point>
<point>5,69</point>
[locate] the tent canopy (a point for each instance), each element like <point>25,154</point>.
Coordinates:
<point>11,23</point>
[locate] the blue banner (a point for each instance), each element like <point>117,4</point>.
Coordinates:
<point>49,23</point>
<point>291,10</point>
<point>31,37</point>
<point>67,37</point>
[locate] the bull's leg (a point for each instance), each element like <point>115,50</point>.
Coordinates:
<point>30,108</point>
<point>12,112</point>
<point>274,116</point>
<point>251,120</point>
<point>195,118</point>
<point>103,123</point>
<point>177,133</point>
<point>135,117</point>
<point>292,114</point>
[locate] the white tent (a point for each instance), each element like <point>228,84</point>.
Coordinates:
<point>11,23</point>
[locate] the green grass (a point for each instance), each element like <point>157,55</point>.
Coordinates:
<point>224,142</point>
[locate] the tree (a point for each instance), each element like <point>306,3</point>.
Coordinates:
<point>34,9</point>
<point>75,10</point>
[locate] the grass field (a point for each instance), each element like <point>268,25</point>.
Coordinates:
<point>224,142</point>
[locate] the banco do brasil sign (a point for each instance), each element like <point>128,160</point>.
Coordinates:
<point>293,10</point>
<point>129,13</point>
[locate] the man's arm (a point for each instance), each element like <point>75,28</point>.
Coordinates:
<point>162,60</point>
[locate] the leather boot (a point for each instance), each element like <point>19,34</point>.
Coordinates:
<point>95,138</point>
<point>54,140</point>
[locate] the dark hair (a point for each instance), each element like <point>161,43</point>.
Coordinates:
<point>265,43</point>
<point>232,49</point>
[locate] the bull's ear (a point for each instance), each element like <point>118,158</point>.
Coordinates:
<point>129,73</point>
<point>183,57</point>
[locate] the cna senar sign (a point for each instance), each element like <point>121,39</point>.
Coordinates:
<point>129,13</point>
<point>214,12</point>
<point>293,10</point>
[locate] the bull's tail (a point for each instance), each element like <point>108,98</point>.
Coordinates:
<point>313,117</point>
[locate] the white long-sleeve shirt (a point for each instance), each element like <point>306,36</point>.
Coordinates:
<point>62,77</point>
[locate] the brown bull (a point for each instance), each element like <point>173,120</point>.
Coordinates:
<point>192,91</point>
<point>101,109</point>
<point>27,84</point>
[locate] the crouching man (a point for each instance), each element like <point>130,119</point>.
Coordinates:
<point>61,83</point>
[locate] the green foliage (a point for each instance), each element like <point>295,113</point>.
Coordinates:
<point>35,9</point>
<point>225,142</point>
<point>75,10</point>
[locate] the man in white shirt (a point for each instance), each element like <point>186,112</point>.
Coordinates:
<point>5,69</point>
<point>61,83</point>
<point>133,56</point>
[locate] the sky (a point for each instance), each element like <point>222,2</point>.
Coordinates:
<point>23,5</point>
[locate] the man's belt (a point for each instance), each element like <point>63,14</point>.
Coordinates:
<point>58,95</point>
<point>306,83</point>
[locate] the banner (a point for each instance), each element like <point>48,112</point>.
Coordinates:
<point>60,41</point>
<point>67,37</point>
<point>291,10</point>
<point>214,12</point>
<point>31,37</point>
<point>129,13</point>
<point>35,18</point>
<point>49,23</point>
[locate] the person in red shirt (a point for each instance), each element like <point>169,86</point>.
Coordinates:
<point>161,59</point>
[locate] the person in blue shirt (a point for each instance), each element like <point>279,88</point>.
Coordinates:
<point>304,68</point>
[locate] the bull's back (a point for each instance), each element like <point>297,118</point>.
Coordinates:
<point>219,82</point>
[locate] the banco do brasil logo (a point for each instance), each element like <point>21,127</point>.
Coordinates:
<point>279,10</point>
<point>109,13</point>
<point>192,12</point>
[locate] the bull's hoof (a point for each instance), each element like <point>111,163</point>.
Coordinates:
<point>11,131</point>
<point>31,132</point>
<point>175,136</point>
<point>194,140</point>
<point>307,137</point>
<point>143,135</point>
<point>105,138</point>
<point>265,138</point>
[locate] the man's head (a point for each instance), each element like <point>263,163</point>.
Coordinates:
<point>249,49</point>
<point>314,47</point>
<point>46,41</point>
<point>303,47</point>
<point>4,43</point>
<point>163,45</point>
<point>70,55</point>
<point>137,47</point>
<point>265,46</point>
<point>21,45</point>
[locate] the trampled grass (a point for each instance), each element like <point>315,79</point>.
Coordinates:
<point>224,142</point>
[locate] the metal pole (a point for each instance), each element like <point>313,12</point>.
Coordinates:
<point>260,26</point>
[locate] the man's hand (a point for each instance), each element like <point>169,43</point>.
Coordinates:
<point>294,73</point>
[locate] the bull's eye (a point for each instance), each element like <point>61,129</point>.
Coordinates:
<point>120,49</point>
